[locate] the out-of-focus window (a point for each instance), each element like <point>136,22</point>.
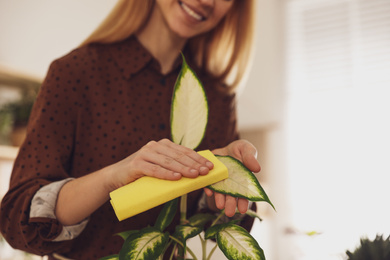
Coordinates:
<point>337,123</point>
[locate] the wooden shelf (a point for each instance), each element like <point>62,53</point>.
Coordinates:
<point>13,78</point>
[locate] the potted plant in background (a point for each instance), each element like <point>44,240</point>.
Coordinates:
<point>18,92</point>
<point>377,249</point>
<point>14,117</point>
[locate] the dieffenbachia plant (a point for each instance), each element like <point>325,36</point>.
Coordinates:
<point>189,117</point>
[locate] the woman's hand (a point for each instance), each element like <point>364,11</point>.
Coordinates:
<point>163,159</point>
<point>80,197</point>
<point>247,154</point>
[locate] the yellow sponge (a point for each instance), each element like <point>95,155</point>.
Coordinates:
<point>148,192</point>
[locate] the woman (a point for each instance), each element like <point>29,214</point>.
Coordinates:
<point>101,120</point>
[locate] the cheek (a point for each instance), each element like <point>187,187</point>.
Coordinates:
<point>216,19</point>
<point>220,13</point>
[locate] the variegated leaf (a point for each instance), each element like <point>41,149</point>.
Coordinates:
<point>189,111</point>
<point>236,243</point>
<point>199,220</point>
<point>253,214</point>
<point>186,231</point>
<point>166,215</point>
<point>149,243</point>
<point>241,182</point>
<point>213,230</point>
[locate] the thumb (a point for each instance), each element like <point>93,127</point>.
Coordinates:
<point>249,158</point>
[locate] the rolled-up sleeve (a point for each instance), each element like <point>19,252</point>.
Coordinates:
<point>43,205</point>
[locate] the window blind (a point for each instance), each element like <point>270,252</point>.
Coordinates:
<point>338,43</point>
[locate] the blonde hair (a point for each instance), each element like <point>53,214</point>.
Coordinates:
<point>224,52</point>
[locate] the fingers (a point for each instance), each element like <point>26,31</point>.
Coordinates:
<point>140,167</point>
<point>230,206</point>
<point>229,203</point>
<point>249,157</point>
<point>243,151</point>
<point>220,200</point>
<point>208,192</point>
<point>242,205</point>
<point>186,156</point>
<point>167,160</point>
<point>247,154</point>
<point>232,203</point>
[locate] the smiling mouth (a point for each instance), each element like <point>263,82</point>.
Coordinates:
<point>191,12</point>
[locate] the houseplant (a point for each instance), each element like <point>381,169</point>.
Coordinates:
<point>14,117</point>
<point>377,249</point>
<point>189,116</point>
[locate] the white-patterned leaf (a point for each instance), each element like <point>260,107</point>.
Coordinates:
<point>149,243</point>
<point>241,182</point>
<point>213,230</point>
<point>200,219</point>
<point>189,111</point>
<point>186,231</point>
<point>236,243</point>
<point>166,214</point>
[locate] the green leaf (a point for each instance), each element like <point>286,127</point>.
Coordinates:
<point>199,220</point>
<point>186,231</point>
<point>149,243</point>
<point>236,243</point>
<point>166,215</point>
<point>213,230</point>
<point>253,214</point>
<point>126,234</point>
<point>110,257</point>
<point>241,182</point>
<point>189,111</point>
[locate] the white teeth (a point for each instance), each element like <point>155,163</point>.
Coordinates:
<point>191,12</point>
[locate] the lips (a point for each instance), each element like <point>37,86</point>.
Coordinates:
<point>192,12</point>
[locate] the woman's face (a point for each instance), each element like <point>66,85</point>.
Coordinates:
<point>188,18</point>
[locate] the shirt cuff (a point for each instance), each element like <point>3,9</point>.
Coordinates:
<point>43,206</point>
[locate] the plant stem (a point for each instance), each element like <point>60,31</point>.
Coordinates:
<point>219,216</point>
<point>166,247</point>
<point>183,209</point>
<point>180,243</point>
<point>204,247</point>
<point>212,251</point>
<point>173,252</point>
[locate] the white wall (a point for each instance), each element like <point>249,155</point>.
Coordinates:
<point>34,33</point>
<point>260,102</point>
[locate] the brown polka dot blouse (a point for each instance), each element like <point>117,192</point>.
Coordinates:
<point>97,105</point>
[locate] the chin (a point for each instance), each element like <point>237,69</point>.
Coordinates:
<point>183,32</point>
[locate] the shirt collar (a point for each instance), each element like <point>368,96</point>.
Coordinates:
<point>131,57</point>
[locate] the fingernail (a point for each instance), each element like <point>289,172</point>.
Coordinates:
<point>204,169</point>
<point>210,165</point>
<point>193,171</point>
<point>176,174</point>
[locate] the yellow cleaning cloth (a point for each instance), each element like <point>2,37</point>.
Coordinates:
<point>148,192</point>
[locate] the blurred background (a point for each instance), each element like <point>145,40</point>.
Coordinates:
<point>316,104</point>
